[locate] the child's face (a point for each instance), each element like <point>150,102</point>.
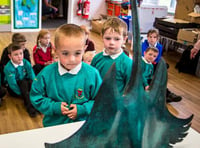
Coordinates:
<point>17,56</point>
<point>152,39</point>
<point>150,56</point>
<point>22,44</point>
<point>44,41</point>
<point>70,51</point>
<point>113,41</point>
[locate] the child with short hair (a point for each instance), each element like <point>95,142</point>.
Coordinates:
<point>88,56</point>
<point>42,51</point>
<point>19,76</point>
<point>152,41</point>
<point>89,43</point>
<point>114,33</point>
<point>65,90</point>
<point>149,57</point>
<point>17,38</point>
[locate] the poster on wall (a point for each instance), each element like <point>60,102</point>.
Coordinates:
<point>4,12</point>
<point>26,15</point>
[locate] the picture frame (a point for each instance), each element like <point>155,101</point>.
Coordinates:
<point>26,15</point>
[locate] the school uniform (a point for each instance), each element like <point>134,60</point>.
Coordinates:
<point>159,46</point>
<point>5,59</point>
<point>14,73</point>
<point>103,62</point>
<point>147,72</point>
<point>41,55</point>
<point>19,79</point>
<point>171,97</point>
<point>54,85</point>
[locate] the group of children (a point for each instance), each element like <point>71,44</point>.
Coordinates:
<point>64,91</point>
<point>16,69</point>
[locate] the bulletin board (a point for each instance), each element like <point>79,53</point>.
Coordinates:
<point>26,15</point>
<point>5,12</point>
<point>5,15</point>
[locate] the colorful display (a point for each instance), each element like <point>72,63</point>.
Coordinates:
<point>26,14</point>
<point>5,12</point>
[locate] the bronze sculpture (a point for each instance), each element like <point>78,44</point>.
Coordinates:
<point>138,119</point>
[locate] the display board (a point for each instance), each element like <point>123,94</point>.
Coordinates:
<point>26,15</point>
<point>4,12</point>
<point>5,16</point>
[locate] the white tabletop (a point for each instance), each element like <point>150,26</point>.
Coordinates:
<point>37,137</point>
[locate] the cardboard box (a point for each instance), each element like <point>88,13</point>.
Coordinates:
<point>184,7</point>
<point>194,17</point>
<point>188,36</point>
<point>97,25</point>
<point>185,42</point>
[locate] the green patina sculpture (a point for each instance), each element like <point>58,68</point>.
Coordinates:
<point>138,119</point>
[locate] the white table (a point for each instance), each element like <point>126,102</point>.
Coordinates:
<point>37,137</point>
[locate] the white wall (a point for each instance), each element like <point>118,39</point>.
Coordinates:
<point>97,7</point>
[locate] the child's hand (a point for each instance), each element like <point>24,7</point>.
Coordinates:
<point>48,63</point>
<point>64,109</point>
<point>147,88</point>
<point>72,113</point>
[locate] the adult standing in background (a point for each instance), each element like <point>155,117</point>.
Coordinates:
<point>195,49</point>
<point>48,8</point>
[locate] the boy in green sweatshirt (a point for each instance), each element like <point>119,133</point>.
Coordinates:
<point>65,90</point>
<point>19,75</point>
<point>114,33</point>
<point>149,57</point>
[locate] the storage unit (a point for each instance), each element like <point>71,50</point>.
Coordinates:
<point>169,27</point>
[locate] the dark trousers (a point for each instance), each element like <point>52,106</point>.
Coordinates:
<point>37,68</point>
<point>25,86</point>
<point>2,92</point>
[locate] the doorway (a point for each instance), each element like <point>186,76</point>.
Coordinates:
<point>60,17</point>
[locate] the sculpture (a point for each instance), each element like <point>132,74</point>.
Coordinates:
<point>138,119</point>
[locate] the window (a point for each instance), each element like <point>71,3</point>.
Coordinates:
<point>171,4</point>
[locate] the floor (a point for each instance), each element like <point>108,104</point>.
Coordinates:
<point>53,23</point>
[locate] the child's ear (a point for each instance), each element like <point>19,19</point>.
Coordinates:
<point>9,56</point>
<point>125,38</point>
